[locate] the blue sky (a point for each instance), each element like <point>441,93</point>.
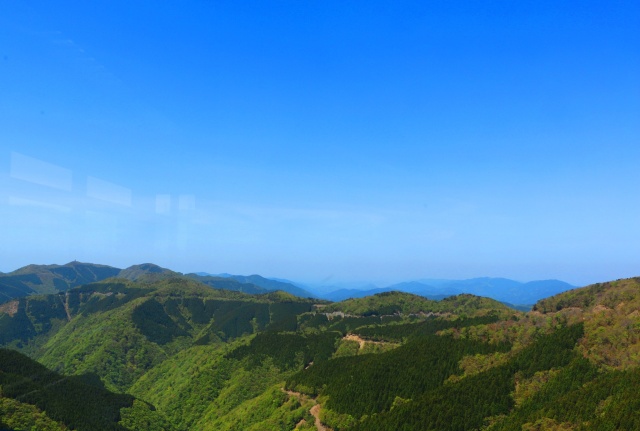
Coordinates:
<point>322,140</point>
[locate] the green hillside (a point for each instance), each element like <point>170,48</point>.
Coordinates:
<point>611,315</point>
<point>34,279</point>
<point>401,303</point>
<point>119,329</point>
<point>33,396</point>
<point>173,353</point>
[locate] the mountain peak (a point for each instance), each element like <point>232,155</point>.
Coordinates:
<point>146,270</point>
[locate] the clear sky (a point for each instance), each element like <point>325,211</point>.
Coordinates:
<point>323,140</point>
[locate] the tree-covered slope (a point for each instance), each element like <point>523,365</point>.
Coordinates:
<point>31,395</point>
<point>624,293</point>
<point>119,329</point>
<point>224,387</point>
<point>212,387</point>
<point>611,315</point>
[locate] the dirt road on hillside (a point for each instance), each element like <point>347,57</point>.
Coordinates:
<point>315,410</point>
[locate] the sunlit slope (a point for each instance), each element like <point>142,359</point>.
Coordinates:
<point>611,315</point>
<point>119,329</point>
<point>213,387</point>
<point>239,385</point>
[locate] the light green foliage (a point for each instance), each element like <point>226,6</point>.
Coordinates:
<point>199,386</point>
<point>611,315</point>
<point>526,388</point>
<point>398,401</point>
<point>335,420</point>
<point>306,425</point>
<point>547,424</point>
<point>20,416</point>
<point>347,348</point>
<point>272,410</point>
<point>609,295</point>
<point>376,347</point>
<point>140,417</point>
<point>185,384</point>
<point>243,385</point>
<point>478,363</point>
<point>613,337</point>
<point>105,343</point>
<point>519,333</point>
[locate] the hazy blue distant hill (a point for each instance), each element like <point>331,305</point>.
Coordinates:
<point>35,279</point>
<point>226,283</point>
<point>270,284</point>
<point>544,288</point>
<point>513,292</point>
<point>523,307</point>
<point>507,290</point>
<point>422,289</point>
<point>414,287</point>
<point>342,294</point>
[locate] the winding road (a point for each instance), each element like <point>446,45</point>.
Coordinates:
<point>315,410</point>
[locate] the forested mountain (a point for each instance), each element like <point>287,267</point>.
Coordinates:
<point>176,354</point>
<point>34,279</point>
<point>147,272</point>
<point>39,279</point>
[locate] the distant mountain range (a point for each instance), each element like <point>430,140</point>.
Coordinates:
<point>501,289</point>
<point>39,279</point>
<point>268,284</point>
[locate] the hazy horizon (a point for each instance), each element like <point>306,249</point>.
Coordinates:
<point>323,140</point>
<point>322,284</point>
